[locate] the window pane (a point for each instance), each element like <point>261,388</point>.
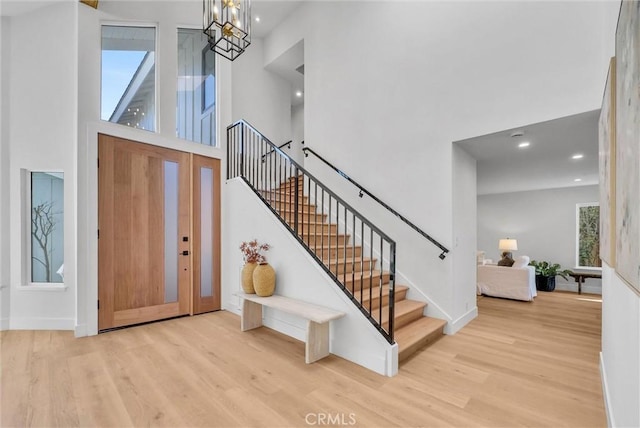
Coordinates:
<point>195,110</point>
<point>47,227</point>
<point>206,232</point>
<point>589,236</point>
<point>128,76</point>
<point>171,170</point>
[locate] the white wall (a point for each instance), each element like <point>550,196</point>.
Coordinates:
<point>42,136</point>
<point>297,276</point>
<point>543,222</point>
<point>620,350</point>
<point>297,133</point>
<point>5,122</point>
<point>464,245</point>
<point>386,109</point>
<point>261,97</point>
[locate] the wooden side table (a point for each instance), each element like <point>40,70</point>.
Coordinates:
<point>581,276</point>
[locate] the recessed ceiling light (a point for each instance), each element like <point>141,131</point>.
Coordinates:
<point>577,156</point>
<point>257,19</point>
<point>524,144</point>
<point>518,133</point>
<point>577,179</point>
<point>298,94</point>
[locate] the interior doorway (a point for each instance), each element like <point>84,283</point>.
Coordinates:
<point>159,233</point>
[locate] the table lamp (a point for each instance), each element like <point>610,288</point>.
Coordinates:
<point>507,246</point>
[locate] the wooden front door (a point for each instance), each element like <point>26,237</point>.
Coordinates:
<point>206,234</point>
<point>144,219</point>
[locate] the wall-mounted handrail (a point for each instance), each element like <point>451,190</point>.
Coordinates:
<point>288,144</point>
<point>364,191</point>
<point>347,246</point>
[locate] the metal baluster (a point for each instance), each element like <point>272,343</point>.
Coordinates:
<point>295,205</point>
<point>344,245</point>
<point>371,271</point>
<point>242,150</point>
<point>380,279</point>
<point>329,236</point>
<point>361,254</point>
<point>337,238</point>
<point>353,254</point>
<point>322,234</point>
<point>392,289</point>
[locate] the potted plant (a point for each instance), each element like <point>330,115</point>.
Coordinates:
<point>252,255</point>
<point>546,274</point>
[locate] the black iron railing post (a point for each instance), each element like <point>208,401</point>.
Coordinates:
<point>242,151</point>
<point>295,203</point>
<point>392,288</point>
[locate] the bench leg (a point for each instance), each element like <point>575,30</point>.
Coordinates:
<point>251,315</point>
<point>317,343</point>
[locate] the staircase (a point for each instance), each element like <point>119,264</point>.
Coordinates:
<point>358,256</point>
<point>355,270</point>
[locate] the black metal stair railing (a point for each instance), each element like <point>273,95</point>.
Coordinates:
<point>357,255</point>
<point>363,191</point>
<point>288,144</point>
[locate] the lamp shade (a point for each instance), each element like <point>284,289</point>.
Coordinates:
<point>508,245</point>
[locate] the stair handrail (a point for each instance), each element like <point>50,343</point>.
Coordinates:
<point>363,191</point>
<point>241,168</point>
<point>288,144</point>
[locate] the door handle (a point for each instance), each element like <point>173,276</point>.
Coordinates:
<point>184,253</point>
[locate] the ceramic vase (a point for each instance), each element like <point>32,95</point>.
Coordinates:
<point>264,280</point>
<point>247,278</point>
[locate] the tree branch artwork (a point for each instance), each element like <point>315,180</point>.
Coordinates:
<point>43,224</point>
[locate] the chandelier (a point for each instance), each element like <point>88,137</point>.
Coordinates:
<point>227,24</point>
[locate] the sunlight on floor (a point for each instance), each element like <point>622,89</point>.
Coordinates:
<point>589,300</point>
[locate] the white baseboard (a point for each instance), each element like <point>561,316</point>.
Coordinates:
<point>605,394</point>
<point>454,326</point>
<point>81,330</point>
<point>42,324</point>
<point>4,324</point>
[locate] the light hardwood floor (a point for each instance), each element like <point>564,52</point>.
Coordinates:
<point>517,364</point>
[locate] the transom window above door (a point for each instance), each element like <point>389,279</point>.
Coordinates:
<point>128,90</point>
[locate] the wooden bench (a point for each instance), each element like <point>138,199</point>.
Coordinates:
<point>318,317</point>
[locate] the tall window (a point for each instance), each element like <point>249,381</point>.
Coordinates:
<point>196,92</point>
<point>588,235</point>
<point>128,76</point>
<point>47,227</point>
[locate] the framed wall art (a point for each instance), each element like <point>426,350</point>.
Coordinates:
<point>607,170</point>
<point>627,255</point>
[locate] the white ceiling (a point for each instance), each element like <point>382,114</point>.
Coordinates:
<point>286,66</point>
<point>546,164</point>
<point>271,14</point>
<point>18,7</point>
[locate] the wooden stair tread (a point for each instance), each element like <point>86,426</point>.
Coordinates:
<point>325,247</point>
<point>401,308</point>
<point>348,260</point>
<point>404,306</point>
<point>414,331</point>
<point>368,274</point>
<point>418,334</point>
<point>315,223</point>
<point>375,294</point>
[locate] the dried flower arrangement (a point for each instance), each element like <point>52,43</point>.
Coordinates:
<point>251,251</point>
